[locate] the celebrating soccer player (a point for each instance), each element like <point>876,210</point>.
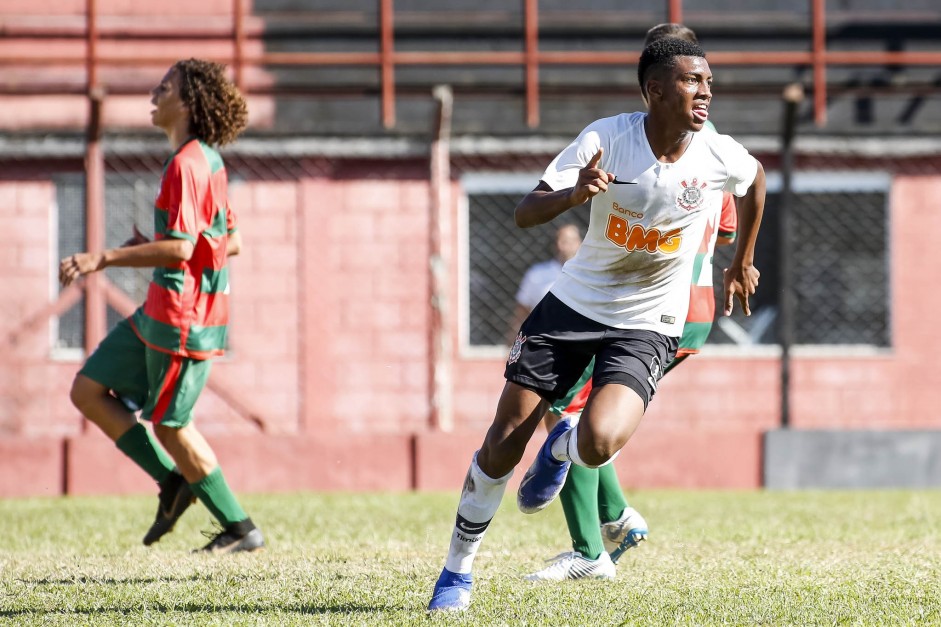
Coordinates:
<point>653,181</point>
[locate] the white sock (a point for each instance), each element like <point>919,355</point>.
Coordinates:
<point>565,449</point>
<point>560,448</point>
<point>480,499</point>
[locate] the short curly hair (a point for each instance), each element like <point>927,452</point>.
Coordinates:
<point>662,53</point>
<point>218,112</point>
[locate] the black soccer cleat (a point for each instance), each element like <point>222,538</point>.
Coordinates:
<point>237,537</point>
<point>175,497</point>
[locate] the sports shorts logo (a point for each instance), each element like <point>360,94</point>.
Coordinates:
<point>691,197</point>
<point>516,349</point>
<point>617,182</point>
<point>656,371</point>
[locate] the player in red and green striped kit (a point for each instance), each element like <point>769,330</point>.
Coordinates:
<point>593,496</point>
<point>158,360</point>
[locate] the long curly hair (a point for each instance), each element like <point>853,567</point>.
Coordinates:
<point>218,110</point>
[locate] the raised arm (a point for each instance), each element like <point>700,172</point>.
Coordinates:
<point>741,278</point>
<point>544,205</point>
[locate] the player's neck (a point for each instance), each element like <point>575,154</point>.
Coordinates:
<point>666,142</point>
<point>178,134</point>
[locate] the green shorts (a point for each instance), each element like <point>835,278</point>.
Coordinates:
<point>163,387</point>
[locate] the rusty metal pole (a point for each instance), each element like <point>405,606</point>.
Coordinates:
<point>95,313</point>
<point>531,60</point>
<point>675,11</point>
<point>440,234</point>
<point>238,41</point>
<point>819,54</point>
<point>387,62</point>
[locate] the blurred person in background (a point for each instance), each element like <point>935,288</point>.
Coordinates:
<point>540,276</point>
<point>158,360</point>
<point>654,182</point>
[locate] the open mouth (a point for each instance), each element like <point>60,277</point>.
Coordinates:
<point>701,113</point>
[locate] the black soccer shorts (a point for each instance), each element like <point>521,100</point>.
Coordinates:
<point>556,343</point>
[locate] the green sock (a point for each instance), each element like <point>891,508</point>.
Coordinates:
<point>579,498</point>
<point>138,444</point>
<point>611,501</point>
<point>218,498</point>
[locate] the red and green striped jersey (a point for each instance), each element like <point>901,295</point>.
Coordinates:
<point>187,310</point>
<point>702,299</point>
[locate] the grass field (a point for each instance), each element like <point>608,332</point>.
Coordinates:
<point>800,558</point>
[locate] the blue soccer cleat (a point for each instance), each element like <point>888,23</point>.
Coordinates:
<point>545,478</point>
<point>452,592</point>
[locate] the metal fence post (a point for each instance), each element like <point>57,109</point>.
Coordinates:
<point>793,94</point>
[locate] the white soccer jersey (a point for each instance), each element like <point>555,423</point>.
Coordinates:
<point>634,268</point>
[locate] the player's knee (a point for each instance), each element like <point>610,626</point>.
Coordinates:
<point>85,393</point>
<point>596,451</point>
<point>595,457</point>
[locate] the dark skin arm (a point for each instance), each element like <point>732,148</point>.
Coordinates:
<point>544,205</point>
<point>741,278</point>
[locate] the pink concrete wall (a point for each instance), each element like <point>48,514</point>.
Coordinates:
<point>330,350</point>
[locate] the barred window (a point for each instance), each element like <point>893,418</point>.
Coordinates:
<point>839,260</point>
<point>497,253</point>
<point>839,257</point>
<point>129,202</point>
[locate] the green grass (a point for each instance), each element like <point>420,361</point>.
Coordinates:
<point>736,558</point>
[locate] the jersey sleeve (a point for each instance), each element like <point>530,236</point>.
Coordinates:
<point>742,167</point>
<point>179,195</point>
<point>563,171</point>
<point>728,218</point>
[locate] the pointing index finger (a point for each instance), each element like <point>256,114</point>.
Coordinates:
<point>594,161</point>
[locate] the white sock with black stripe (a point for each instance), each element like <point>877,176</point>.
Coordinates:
<point>480,499</point>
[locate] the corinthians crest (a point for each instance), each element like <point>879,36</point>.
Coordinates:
<point>691,197</point>
<point>516,350</point>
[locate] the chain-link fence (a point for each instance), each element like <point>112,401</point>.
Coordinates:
<point>840,248</point>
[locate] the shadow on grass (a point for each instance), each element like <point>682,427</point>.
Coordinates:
<point>83,580</point>
<point>197,608</point>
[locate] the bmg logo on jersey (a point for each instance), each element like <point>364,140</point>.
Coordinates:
<point>635,237</point>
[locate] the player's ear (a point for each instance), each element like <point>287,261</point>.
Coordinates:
<point>654,89</point>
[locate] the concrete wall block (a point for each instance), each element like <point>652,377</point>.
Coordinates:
<point>868,459</point>
<point>31,466</point>
<point>318,462</point>
<point>94,465</point>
